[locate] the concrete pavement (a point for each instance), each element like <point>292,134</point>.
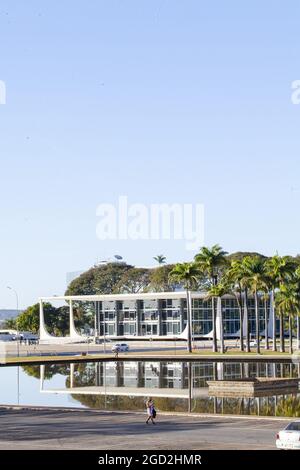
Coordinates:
<point>84,429</point>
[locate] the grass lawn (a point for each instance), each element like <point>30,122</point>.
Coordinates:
<point>126,356</point>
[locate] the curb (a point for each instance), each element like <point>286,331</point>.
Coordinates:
<point>161,413</point>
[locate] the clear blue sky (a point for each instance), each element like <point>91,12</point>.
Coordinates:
<point>161,100</point>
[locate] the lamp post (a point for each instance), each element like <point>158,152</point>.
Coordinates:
<point>17,300</point>
<point>104,340</point>
<point>18,350</point>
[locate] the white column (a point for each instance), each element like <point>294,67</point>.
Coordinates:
<point>183,334</point>
<point>298,332</point>
<point>190,317</point>
<point>43,330</point>
<point>245,322</point>
<point>219,332</point>
<point>272,320</point>
<point>72,369</point>
<point>220,370</point>
<point>42,376</point>
<point>73,332</point>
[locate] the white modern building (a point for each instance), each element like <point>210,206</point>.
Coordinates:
<point>160,315</point>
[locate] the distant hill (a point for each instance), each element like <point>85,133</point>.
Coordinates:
<point>6,314</point>
<point>239,255</point>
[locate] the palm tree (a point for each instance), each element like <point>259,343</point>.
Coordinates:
<point>217,292</point>
<point>298,330</point>
<point>265,298</point>
<point>297,280</point>
<point>255,273</point>
<point>210,261</point>
<point>288,302</point>
<point>279,270</point>
<point>235,280</point>
<point>188,274</point>
<point>161,259</point>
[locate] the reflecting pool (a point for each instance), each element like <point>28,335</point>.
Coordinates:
<point>175,386</point>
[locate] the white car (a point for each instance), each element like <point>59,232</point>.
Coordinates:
<point>252,343</point>
<point>289,438</point>
<point>120,347</point>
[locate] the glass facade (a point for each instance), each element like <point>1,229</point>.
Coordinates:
<point>202,316</point>
<point>149,317</point>
<point>168,317</point>
<point>170,311</point>
<point>109,315</point>
<point>127,318</point>
<point>231,316</point>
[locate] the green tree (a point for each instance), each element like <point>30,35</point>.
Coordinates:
<point>288,302</point>
<point>265,296</point>
<point>279,270</point>
<point>60,320</point>
<point>240,255</point>
<point>56,319</point>
<point>133,281</point>
<point>50,370</point>
<point>160,279</point>
<point>10,324</point>
<point>297,280</point>
<point>214,293</point>
<point>211,263</point>
<point>255,271</point>
<point>235,279</point>
<point>29,319</point>
<point>98,280</point>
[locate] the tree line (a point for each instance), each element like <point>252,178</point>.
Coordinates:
<point>213,270</point>
<point>275,280</point>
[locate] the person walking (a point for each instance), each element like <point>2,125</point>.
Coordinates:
<point>150,411</point>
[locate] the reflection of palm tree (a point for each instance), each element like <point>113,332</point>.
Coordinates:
<point>155,370</point>
<point>289,407</point>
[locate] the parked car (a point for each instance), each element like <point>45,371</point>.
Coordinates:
<point>120,347</point>
<point>289,438</point>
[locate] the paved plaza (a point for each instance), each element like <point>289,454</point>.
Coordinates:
<point>84,429</point>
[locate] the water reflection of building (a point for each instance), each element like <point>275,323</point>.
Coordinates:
<point>130,376</point>
<point>175,386</point>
